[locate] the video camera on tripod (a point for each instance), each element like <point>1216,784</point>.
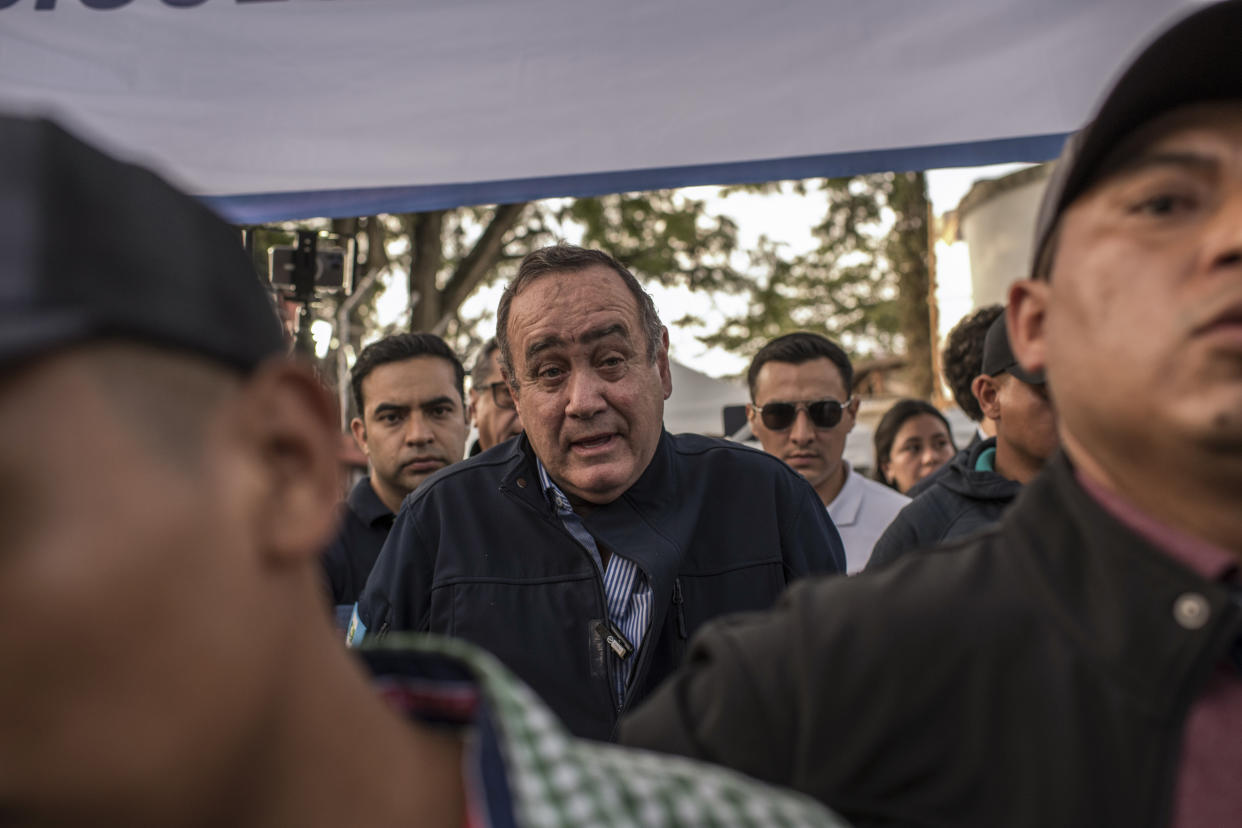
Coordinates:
<point>317,265</point>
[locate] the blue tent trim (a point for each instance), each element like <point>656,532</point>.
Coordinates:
<point>267,207</point>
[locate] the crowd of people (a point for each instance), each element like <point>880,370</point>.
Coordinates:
<point>587,620</point>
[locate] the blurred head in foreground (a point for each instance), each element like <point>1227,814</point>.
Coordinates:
<point>169,480</point>
<point>1135,309</point>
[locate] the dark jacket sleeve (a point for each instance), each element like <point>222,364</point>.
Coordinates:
<point>810,542</point>
<point>398,592</point>
<point>734,700</point>
<point>901,536</point>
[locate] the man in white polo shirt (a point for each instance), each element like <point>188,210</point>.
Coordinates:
<point>801,411</point>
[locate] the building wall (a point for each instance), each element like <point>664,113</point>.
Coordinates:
<point>998,230</point>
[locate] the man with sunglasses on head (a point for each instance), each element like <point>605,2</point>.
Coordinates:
<point>976,487</point>
<point>411,422</point>
<point>801,411</point>
<point>492,409</point>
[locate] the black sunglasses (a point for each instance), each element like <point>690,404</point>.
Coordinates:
<point>778,416</point>
<point>501,394</point>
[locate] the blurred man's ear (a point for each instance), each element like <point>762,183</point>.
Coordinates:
<point>1025,316</point>
<point>472,407</point>
<point>289,423</point>
<point>986,390</point>
<point>359,430</point>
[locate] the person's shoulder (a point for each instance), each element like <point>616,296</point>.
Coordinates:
<point>566,780</point>
<point>916,589</point>
<point>877,494</point>
<point>936,503</point>
<point>475,476</point>
<point>670,789</point>
<point>720,453</point>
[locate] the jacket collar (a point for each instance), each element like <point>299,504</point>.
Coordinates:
<point>1114,594</point>
<point>365,503</point>
<point>962,478</point>
<point>521,475</point>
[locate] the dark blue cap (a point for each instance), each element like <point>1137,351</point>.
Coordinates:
<point>94,248</point>
<point>1196,60</point>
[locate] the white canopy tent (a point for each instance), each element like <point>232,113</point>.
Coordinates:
<point>698,401</point>
<point>277,109</point>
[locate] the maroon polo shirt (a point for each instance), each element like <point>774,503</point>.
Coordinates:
<point>1209,781</point>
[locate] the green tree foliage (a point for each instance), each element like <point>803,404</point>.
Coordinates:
<point>662,236</point>
<point>864,285</point>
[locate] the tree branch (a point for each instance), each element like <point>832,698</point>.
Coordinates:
<point>482,257</point>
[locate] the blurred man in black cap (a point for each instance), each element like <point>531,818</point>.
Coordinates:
<point>1073,665</point>
<point>977,485</point>
<point>169,477</point>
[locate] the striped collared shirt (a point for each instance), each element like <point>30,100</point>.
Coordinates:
<point>627,592</point>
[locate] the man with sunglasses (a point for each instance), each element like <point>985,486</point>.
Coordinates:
<point>491,409</point>
<point>801,411</point>
<point>411,422</point>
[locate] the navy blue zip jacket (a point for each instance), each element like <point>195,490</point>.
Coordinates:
<point>959,502</point>
<point>478,553</point>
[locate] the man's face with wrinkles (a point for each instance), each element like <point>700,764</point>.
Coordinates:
<point>590,396</point>
<point>413,424</point>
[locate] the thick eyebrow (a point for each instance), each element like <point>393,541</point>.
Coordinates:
<point>385,407</point>
<point>534,348</point>
<point>434,402</point>
<point>1192,161</point>
<point>603,332</point>
<point>593,335</point>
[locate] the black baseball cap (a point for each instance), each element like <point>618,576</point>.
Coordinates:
<point>1194,61</point>
<point>998,358</point>
<point>91,248</point>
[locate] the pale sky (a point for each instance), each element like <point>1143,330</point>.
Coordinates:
<point>786,218</point>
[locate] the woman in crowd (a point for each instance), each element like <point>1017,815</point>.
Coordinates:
<point>912,440</point>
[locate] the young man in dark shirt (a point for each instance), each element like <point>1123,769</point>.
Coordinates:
<point>411,422</point>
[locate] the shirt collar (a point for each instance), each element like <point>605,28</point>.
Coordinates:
<point>366,504</point>
<point>1206,559</point>
<point>845,507</point>
<point>551,491</point>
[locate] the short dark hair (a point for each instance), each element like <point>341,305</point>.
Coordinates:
<point>398,348</point>
<point>483,363</point>
<point>962,357</point>
<point>797,348</point>
<point>568,258</point>
<point>891,423</point>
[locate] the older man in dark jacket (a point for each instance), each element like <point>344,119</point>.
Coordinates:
<point>586,551</point>
<point>1073,666</point>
